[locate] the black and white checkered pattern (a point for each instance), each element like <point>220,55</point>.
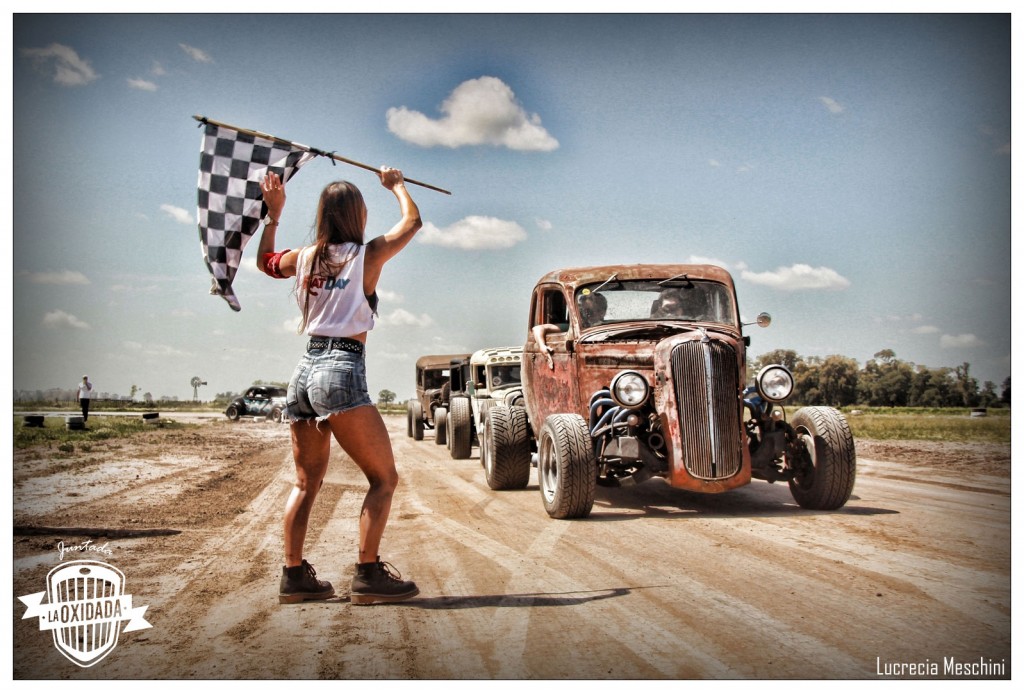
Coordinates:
<point>231,166</point>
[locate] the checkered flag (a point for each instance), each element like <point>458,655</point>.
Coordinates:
<point>231,166</point>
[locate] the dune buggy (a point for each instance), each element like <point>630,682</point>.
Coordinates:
<point>259,400</point>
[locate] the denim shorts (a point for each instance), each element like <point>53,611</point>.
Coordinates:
<point>327,381</point>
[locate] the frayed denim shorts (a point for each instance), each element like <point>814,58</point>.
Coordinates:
<point>327,381</point>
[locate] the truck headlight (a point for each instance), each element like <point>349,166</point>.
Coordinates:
<point>630,389</point>
<point>774,383</point>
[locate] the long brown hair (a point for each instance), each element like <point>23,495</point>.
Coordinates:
<point>340,218</point>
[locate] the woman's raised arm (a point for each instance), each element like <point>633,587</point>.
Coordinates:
<point>282,264</point>
<point>383,248</point>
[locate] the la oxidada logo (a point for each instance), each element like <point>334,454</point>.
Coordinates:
<point>85,605</point>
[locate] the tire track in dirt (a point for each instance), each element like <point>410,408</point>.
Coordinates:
<point>531,572</point>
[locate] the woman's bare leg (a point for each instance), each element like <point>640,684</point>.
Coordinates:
<point>362,434</point>
<point>311,447</point>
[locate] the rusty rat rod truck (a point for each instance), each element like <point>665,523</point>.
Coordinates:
<point>638,371</point>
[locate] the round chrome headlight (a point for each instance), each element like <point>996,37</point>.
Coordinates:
<point>630,389</point>
<point>774,383</point>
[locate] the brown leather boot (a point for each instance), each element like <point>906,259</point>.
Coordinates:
<point>299,584</point>
<point>380,582</point>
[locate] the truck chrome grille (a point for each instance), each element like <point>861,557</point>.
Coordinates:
<point>705,377</point>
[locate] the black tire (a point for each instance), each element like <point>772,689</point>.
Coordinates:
<point>824,478</point>
<point>441,426</point>
<point>408,418</point>
<point>505,448</point>
<point>416,414</point>
<point>566,471</point>
<point>460,421</point>
<point>232,412</point>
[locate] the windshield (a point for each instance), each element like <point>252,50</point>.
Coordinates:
<point>679,299</point>
<point>435,379</point>
<point>504,374</point>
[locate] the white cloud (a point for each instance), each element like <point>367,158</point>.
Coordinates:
<point>925,329</point>
<point>544,225</point>
<point>158,69</point>
<point>400,316</point>
<point>831,104</point>
<point>248,264</point>
<point>701,260</point>
<point>714,163</point>
<point>151,349</point>
<point>799,277</point>
<point>182,216</point>
<point>959,341</point>
<point>474,233</point>
<point>478,111</point>
<point>197,54</point>
<point>63,278</point>
<point>58,318</point>
<point>389,296</point>
<point>69,69</point>
<point>141,84</point>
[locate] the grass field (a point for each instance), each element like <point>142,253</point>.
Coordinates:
<point>952,425</point>
<point>949,425</point>
<point>54,432</point>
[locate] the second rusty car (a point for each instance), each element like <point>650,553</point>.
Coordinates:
<point>639,371</point>
<point>432,390</point>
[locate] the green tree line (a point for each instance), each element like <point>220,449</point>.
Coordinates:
<point>884,381</point>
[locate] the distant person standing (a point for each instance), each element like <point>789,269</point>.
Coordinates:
<point>84,395</point>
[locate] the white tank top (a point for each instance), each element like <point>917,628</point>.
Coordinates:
<point>337,305</point>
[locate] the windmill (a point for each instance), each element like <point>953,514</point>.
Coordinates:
<point>196,382</point>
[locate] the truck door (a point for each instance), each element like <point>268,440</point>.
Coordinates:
<point>549,388</point>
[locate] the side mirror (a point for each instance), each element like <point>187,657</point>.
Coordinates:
<point>764,319</point>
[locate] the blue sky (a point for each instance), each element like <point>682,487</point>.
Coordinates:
<point>851,171</point>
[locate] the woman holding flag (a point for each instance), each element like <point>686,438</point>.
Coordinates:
<point>335,286</point>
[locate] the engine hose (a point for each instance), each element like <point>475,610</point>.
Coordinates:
<point>617,416</point>
<point>600,399</point>
<point>604,418</point>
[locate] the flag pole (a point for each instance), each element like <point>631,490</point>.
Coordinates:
<point>332,155</point>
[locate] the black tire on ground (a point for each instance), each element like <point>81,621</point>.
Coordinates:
<point>825,477</point>
<point>440,426</point>
<point>408,418</point>
<point>460,420</point>
<point>232,412</point>
<point>505,448</point>
<point>566,471</point>
<point>416,412</point>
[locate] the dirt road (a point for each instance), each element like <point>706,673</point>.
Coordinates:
<point>656,584</point>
